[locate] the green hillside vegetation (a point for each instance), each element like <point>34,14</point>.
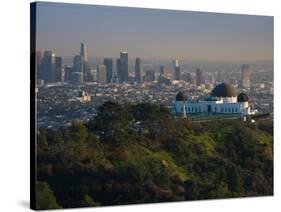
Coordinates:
<point>141,154</point>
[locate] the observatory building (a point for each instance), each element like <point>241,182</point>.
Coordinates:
<point>222,100</point>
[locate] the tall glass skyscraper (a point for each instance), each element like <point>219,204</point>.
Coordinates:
<point>101,74</point>
<point>177,74</point>
<point>84,55</point>
<point>49,68</point>
<point>123,67</point>
<point>245,76</point>
<point>138,70</point>
<point>59,69</point>
<point>78,63</point>
<point>108,62</point>
<point>199,77</point>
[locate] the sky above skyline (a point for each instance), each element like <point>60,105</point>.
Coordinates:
<point>152,33</point>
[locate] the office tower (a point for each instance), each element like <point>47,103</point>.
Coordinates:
<point>149,76</point>
<point>39,57</point>
<point>114,78</point>
<point>162,70</point>
<point>59,69</point>
<point>84,56</point>
<point>176,63</point>
<point>199,77</point>
<point>78,68</point>
<point>138,70</point>
<point>67,73</point>
<point>176,67</point>
<point>92,75</point>
<point>177,73</point>
<point>83,52</point>
<point>101,74</point>
<point>212,79</point>
<point>123,67</point>
<point>78,63</point>
<point>245,76</point>
<point>77,77</point>
<point>118,68</point>
<point>48,66</point>
<point>39,69</point>
<point>219,79</point>
<point>165,72</point>
<point>187,77</point>
<point>108,62</point>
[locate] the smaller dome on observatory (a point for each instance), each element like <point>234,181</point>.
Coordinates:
<point>180,97</point>
<point>242,97</point>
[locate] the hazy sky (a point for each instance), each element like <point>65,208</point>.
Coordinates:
<point>150,33</point>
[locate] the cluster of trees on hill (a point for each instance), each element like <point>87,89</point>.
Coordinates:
<point>141,154</point>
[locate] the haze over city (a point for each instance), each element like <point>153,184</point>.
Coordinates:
<point>152,33</point>
<point>87,55</point>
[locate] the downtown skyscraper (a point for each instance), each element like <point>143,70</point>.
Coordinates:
<point>78,63</point>
<point>123,67</point>
<point>101,74</point>
<point>150,76</point>
<point>199,77</point>
<point>165,71</point>
<point>108,62</point>
<point>59,69</point>
<point>49,67</point>
<point>84,58</point>
<point>138,70</point>
<point>177,73</point>
<point>245,76</point>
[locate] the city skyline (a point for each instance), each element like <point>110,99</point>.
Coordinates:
<point>152,33</point>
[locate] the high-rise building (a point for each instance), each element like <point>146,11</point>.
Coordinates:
<point>245,76</point>
<point>187,77</point>
<point>176,63</point>
<point>101,74</point>
<point>118,68</point>
<point>39,57</point>
<point>67,73</point>
<point>39,69</point>
<point>138,70</point>
<point>59,69</point>
<point>84,56</point>
<point>199,77</point>
<point>108,62</point>
<point>83,52</point>
<point>48,66</point>
<point>149,76</point>
<point>92,75</point>
<point>177,73</point>
<point>165,71</point>
<point>162,70</point>
<point>77,77</point>
<point>78,63</point>
<point>115,78</point>
<point>123,67</point>
<point>219,79</point>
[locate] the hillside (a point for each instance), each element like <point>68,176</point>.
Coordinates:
<point>141,154</point>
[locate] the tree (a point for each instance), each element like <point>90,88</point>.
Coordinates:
<point>88,202</point>
<point>111,119</point>
<point>42,140</point>
<point>78,132</point>
<point>45,198</point>
<point>106,161</point>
